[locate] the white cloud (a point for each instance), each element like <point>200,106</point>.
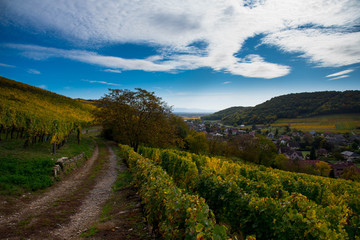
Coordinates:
<point>112,70</point>
<point>101,82</point>
<point>42,86</point>
<point>339,77</point>
<point>340,73</point>
<point>173,26</point>
<point>255,66</point>
<point>42,53</point>
<point>7,65</point>
<point>325,48</point>
<point>250,66</point>
<point>227,82</point>
<point>33,71</point>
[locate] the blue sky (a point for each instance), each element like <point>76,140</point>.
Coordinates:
<point>206,55</point>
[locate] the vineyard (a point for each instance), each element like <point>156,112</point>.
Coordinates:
<point>246,201</point>
<point>335,123</point>
<point>37,115</point>
<point>30,120</point>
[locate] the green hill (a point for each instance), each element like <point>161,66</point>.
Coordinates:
<point>294,105</point>
<point>223,113</point>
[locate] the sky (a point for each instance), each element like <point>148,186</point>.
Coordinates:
<point>202,55</point>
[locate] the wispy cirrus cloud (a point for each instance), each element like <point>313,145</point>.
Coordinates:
<point>340,73</point>
<point>112,70</point>
<point>101,82</point>
<point>339,77</point>
<point>321,31</point>
<point>33,71</point>
<point>7,65</point>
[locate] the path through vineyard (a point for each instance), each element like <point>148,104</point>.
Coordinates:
<point>75,205</point>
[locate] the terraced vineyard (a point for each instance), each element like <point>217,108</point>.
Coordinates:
<point>34,114</point>
<point>249,201</point>
<point>30,120</point>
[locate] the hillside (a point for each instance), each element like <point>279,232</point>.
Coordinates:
<point>35,112</point>
<point>294,105</point>
<point>226,112</point>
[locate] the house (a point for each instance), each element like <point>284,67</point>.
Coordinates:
<point>355,137</point>
<point>337,139</point>
<point>339,167</point>
<point>271,135</point>
<point>312,132</point>
<point>322,152</point>
<point>291,154</point>
<point>284,150</point>
<point>296,134</point>
<point>350,156</point>
<point>252,133</point>
<point>293,145</point>
<point>284,138</point>
<point>294,155</point>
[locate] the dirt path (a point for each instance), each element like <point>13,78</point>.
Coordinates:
<point>70,206</point>
<point>40,203</point>
<point>91,207</point>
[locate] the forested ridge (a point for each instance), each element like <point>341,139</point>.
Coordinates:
<point>291,106</point>
<point>226,112</point>
<point>35,114</point>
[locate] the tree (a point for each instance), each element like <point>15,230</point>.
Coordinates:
<point>323,168</point>
<point>312,154</point>
<point>351,173</point>
<point>276,132</point>
<point>281,162</point>
<point>135,117</point>
<point>317,142</point>
<point>197,142</point>
<point>266,150</point>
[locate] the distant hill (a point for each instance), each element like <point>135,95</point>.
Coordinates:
<point>291,106</point>
<point>223,113</point>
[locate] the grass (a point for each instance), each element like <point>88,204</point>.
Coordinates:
<point>92,231</point>
<point>340,123</point>
<point>30,169</point>
<point>121,217</point>
<point>304,153</point>
<point>25,222</point>
<point>124,180</point>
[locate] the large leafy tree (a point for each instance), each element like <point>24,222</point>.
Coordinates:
<point>136,117</point>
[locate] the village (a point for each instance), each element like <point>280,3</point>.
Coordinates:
<point>340,151</point>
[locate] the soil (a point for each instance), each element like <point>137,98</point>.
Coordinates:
<point>124,217</point>
<point>73,205</point>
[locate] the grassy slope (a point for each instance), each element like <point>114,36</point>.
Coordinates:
<point>31,168</point>
<point>27,98</point>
